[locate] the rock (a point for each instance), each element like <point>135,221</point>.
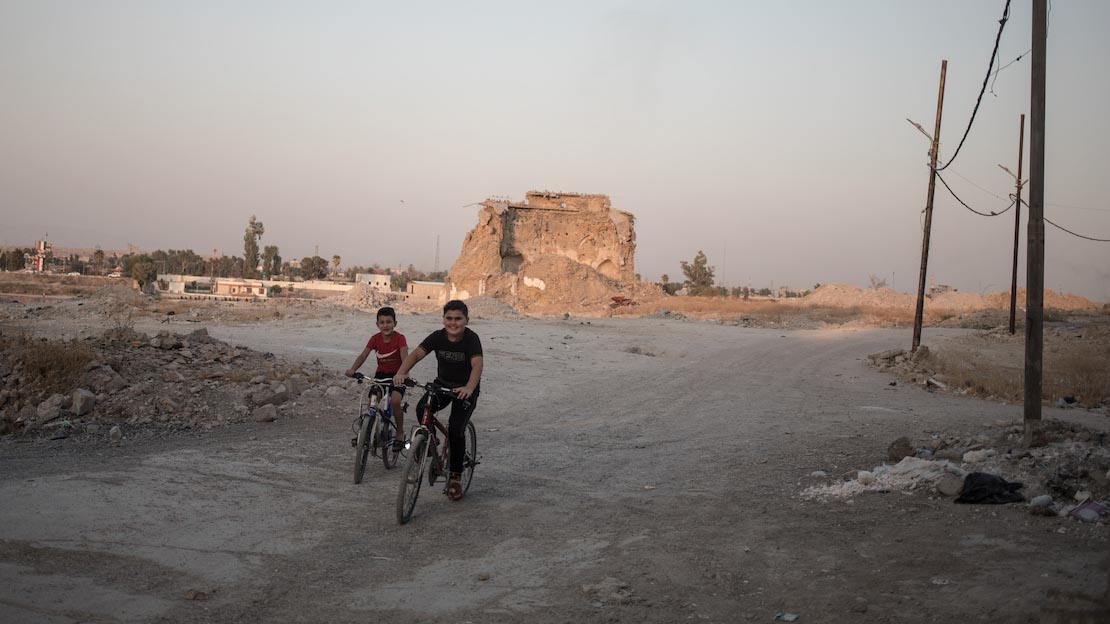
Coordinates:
<point>609,591</point>
<point>950,454</point>
<point>1044,500</point>
<point>889,354</point>
<point>950,484</point>
<point>257,379</point>
<point>296,384</point>
<point>1082,495</point>
<point>83,402</point>
<point>265,413</point>
<point>818,473</point>
<point>865,477</point>
<point>50,409</point>
<point>1087,515</point>
<point>975,457</point>
<point>899,449</point>
<point>334,391</point>
<point>115,434</point>
<point>920,355</point>
<point>172,376</point>
<point>92,428</point>
<point>934,383</point>
<point>281,393</point>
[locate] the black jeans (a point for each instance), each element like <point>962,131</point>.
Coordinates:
<point>456,424</point>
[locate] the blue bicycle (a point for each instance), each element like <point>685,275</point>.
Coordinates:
<point>374,426</point>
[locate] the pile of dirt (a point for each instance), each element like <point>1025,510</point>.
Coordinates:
<point>362,297</point>
<point>1066,470</point>
<point>845,296</point>
<point>169,380</point>
<point>489,308</point>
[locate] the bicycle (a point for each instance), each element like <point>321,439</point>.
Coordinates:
<point>374,426</point>
<point>428,455</point>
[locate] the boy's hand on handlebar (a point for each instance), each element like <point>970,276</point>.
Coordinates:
<point>399,379</point>
<point>350,372</point>
<point>464,392</point>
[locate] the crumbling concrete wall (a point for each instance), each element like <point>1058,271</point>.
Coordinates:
<point>564,249</point>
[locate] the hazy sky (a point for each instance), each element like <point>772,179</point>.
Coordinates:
<point>772,135</point>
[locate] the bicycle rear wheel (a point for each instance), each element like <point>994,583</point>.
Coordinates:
<point>362,448</point>
<point>412,478</point>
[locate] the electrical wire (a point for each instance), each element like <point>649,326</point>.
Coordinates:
<point>1090,238</point>
<point>981,214</point>
<point>1064,229</point>
<point>977,186</point>
<point>979,100</point>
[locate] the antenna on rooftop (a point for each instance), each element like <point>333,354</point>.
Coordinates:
<point>435,266</point>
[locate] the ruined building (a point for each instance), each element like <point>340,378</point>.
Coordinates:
<point>551,250</point>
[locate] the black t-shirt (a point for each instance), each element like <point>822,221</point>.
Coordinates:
<point>453,357</point>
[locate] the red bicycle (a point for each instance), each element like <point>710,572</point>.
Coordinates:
<point>429,453</point>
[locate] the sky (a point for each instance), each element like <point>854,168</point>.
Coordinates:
<point>770,135</point>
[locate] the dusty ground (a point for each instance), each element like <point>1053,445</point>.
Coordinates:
<point>633,469</point>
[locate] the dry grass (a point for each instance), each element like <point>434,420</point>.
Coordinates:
<point>1074,365</point>
<point>53,366</point>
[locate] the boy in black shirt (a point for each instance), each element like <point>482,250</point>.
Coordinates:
<point>459,355</point>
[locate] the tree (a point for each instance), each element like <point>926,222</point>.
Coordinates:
<point>271,261</point>
<point>250,246</point>
<point>877,283</point>
<point>141,269</point>
<point>314,268</point>
<point>98,260</point>
<point>699,276</point>
<point>335,260</point>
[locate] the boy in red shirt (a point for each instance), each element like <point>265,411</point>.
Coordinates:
<point>392,349</point>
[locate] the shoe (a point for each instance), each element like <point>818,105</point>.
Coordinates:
<point>398,445</point>
<point>454,486</point>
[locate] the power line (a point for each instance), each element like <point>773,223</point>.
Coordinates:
<point>977,186</point>
<point>982,214</point>
<point>1076,234</point>
<point>979,100</point>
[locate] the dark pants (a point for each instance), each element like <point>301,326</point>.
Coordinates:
<point>456,424</point>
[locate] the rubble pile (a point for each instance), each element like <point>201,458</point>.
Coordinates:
<point>363,297</point>
<point>124,377</point>
<point>1065,473</point>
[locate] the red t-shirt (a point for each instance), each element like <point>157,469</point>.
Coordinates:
<point>389,353</point>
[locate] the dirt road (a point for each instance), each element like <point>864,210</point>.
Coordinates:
<point>633,470</point>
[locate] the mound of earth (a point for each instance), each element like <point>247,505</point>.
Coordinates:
<point>124,377</point>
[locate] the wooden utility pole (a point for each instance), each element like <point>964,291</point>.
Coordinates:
<point>920,311</point>
<point>1017,226</point>
<point>1034,271</point>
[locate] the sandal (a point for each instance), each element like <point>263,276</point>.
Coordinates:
<point>454,486</point>
<point>398,444</point>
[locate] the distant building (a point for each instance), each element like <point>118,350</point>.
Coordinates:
<point>236,287</point>
<point>381,282</point>
<point>432,291</point>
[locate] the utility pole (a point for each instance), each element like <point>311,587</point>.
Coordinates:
<point>1017,223</point>
<point>1034,271</point>
<point>920,310</point>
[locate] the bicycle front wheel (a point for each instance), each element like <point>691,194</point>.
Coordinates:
<point>412,478</point>
<point>470,459</point>
<point>362,448</point>
<point>390,453</point>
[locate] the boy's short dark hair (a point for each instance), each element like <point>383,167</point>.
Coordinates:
<point>386,311</point>
<point>456,304</point>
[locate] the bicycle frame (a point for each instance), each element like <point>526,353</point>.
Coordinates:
<point>431,426</point>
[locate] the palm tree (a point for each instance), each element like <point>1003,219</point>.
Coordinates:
<point>335,261</point>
